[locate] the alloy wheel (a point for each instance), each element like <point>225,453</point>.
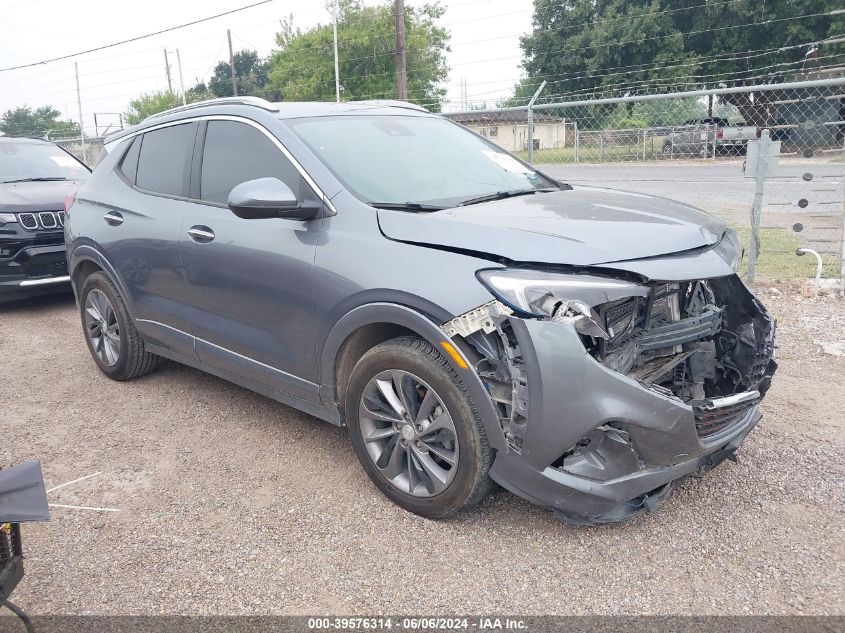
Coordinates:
<point>408,433</point>
<point>102,328</point>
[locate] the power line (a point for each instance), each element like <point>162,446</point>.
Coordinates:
<point>140,37</point>
<point>562,50</point>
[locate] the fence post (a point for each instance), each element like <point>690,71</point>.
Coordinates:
<point>577,136</point>
<point>530,135</point>
<point>531,123</point>
<point>763,150</point>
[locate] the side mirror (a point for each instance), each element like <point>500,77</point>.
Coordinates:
<point>268,198</point>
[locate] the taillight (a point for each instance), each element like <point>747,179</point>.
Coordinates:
<point>69,200</point>
<point>719,133</point>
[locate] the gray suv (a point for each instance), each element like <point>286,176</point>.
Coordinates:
<point>468,318</point>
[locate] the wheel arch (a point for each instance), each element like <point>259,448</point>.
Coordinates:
<point>85,260</point>
<point>368,325</point>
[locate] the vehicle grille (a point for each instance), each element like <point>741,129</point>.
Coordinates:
<point>46,220</point>
<point>710,422</point>
<point>54,269</point>
<point>28,221</point>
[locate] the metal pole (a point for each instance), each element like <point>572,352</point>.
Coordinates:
<point>336,62</point>
<point>232,64</point>
<point>577,140</point>
<point>167,70</point>
<point>181,80</point>
<point>763,150</point>
<point>842,262</point>
<point>401,75</point>
<point>81,122</point>
<point>531,122</point>
<point>842,245</point>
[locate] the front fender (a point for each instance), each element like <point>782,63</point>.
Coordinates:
<point>411,319</point>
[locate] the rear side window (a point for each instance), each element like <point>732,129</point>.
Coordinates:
<point>164,159</point>
<point>129,163</point>
<point>236,152</point>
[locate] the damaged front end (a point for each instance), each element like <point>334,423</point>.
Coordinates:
<point>609,390</point>
<point>709,343</point>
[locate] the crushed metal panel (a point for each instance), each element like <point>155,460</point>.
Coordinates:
<point>480,318</point>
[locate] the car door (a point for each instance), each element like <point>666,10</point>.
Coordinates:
<point>140,232</point>
<point>250,281</point>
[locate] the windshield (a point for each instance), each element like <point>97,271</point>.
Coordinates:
<point>414,160</point>
<point>37,161</point>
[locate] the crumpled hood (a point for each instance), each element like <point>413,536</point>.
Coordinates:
<point>48,195</point>
<point>580,227</point>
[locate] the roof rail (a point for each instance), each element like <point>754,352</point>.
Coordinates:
<point>256,102</point>
<point>395,103</point>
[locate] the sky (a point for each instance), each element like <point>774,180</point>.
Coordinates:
<point>484,47</point>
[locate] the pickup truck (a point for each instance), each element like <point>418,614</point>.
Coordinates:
<point>708,136</point>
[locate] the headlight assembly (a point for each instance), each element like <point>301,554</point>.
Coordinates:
<point>563,297</point>
<point>7,217</point>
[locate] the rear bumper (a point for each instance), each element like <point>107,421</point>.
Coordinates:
<point>34,270</point>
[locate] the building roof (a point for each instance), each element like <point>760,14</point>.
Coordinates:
<point>483,117</point>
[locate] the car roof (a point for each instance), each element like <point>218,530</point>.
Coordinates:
<point>25,140</point>
<point>281,110</point>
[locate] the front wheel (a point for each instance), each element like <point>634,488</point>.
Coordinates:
<point>111,336</point>
<point>415,429</point>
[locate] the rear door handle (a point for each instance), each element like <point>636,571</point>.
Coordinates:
<point>201,234</point>
<point>113,218</point>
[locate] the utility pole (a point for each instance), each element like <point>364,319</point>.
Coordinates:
<point>81,122</point>
<point>336,65</point>
<point>232,64</point>
<point>167,69</point>
<point>181,81</point>
<point>401,75</point>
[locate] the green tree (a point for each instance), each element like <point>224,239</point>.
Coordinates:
<point>43,121</point>
<point>154,102</point>
<point>251,73</point>
<point>303,67</point>
<point>620,47</point>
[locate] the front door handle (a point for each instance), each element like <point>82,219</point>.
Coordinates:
<point>113,218</point>
<point>201,234</point>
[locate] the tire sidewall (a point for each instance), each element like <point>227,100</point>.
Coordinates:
<point>428,370</point>
<point>100,282</point>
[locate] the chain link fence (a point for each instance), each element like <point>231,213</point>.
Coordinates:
<point>702,148</point>
<point>87,150</point>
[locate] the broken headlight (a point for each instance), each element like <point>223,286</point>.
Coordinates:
<point>563,297</point>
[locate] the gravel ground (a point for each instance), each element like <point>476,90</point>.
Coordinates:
<point>233,504</point>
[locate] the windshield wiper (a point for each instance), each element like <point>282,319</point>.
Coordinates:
<point>500,195</point>
<point>416,207</point>
<point>44,179</point>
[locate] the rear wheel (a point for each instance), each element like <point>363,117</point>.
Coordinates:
<point>415,429</point>
<point>111,336</point>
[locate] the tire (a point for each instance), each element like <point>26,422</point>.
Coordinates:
<point>131,359</point>
<point>422,366</point>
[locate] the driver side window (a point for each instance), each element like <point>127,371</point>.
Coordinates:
<point>236,152</point>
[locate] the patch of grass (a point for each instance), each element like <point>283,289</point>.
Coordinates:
<point>778,261</point>
<point>591,154</point>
